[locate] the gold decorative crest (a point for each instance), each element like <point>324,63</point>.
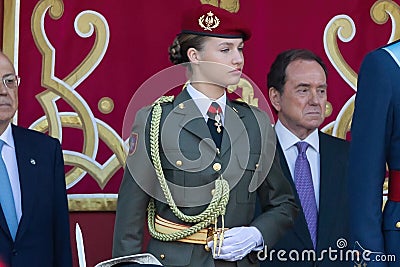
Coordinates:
<point>209,22</point>
<point>232,6</point>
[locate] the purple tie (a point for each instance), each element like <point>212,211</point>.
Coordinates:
<point>305,189</point>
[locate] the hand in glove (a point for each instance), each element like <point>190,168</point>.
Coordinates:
<point>237,243</point>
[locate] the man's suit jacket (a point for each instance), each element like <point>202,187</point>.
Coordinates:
<point>375,142</point>
<point>240,160</point>
<point>42,237</point>
<point>333,206</point>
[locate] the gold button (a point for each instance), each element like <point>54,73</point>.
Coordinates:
<point>181,106</point>
<point>162,256</point>
<point>217,167</point>
<point>178,163</point>
<point>212,192</point>
<point>398,225</point>
<point>256,165</point>
<point>207,248</point>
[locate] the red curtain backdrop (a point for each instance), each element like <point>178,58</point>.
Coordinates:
<point>139,34</point>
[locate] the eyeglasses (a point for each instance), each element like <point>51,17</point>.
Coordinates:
<point>11,81</point>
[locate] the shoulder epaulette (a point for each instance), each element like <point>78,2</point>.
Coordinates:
<point>163,99</point>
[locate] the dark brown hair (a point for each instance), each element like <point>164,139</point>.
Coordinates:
<point>178,49</point>
<point>277,75</point>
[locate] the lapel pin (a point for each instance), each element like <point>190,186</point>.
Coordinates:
<point>33,162</point>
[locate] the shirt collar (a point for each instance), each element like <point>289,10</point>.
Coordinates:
<point>287,139</point>
<point>7,136</point>
<point>203,102</point>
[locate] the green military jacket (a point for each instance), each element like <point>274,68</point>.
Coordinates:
<point>191,163</point>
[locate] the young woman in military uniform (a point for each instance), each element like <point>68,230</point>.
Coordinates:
<point>198,161</point>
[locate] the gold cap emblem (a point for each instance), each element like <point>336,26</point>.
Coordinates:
<point>209,22</point>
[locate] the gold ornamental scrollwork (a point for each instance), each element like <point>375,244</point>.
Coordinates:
<point>342,27</point>
<point>230,5</point>
<point>247,94</point>
<point>380,13</point>
<point>94,130</point>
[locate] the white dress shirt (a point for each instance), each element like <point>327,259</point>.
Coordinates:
<point>203,102</point>
<point>288,143</point>
<point>10,159</point>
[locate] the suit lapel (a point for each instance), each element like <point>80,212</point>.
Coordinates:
<point>193,121</point>
<point>233,128</point>
<point>191,118</point>
<point>300,227</point>
<point>27,176</point>
<point>327,190</point>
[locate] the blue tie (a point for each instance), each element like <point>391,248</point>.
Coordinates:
<point>6,197</point>
<point>305,190</point>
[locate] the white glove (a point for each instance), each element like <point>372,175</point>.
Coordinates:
<point>237,243</point>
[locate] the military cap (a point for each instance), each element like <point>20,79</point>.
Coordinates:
<point>209,20</point>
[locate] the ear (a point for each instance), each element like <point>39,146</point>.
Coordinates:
<point>275,98</point>
<point>193,55</point>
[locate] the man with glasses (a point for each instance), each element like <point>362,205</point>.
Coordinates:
<point>34,223</point>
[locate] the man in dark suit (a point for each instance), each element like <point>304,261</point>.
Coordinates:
<point>375,146</point>
<point>298,91</point>
<point>34,223</point>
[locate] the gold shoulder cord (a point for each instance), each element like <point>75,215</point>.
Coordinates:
<point>217,206</point>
